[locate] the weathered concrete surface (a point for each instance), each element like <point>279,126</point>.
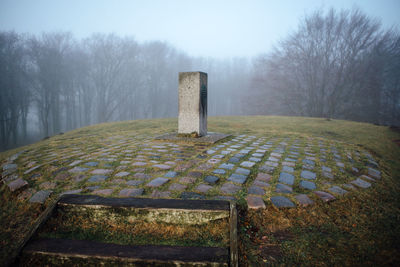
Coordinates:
<point>209,138</point>
<point>192,117</point>
<point>166,211</point>
<point>66,252</point>
<point>137,211</point>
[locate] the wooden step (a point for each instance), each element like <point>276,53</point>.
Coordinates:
<point>58,252</point>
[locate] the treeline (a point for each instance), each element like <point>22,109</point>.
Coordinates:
<point>54,83</point>
<point>335,65</point>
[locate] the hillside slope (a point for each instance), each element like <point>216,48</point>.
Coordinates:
<point>340,217</point>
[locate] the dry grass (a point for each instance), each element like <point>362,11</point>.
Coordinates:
<point>360,229</point>
<point>16,219</point>
<point>118,230</point>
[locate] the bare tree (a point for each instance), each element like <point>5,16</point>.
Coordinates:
<point>391,78</point>
<point>108,57</point>
<point>317,69</point>
<point>83,92</point>
<point>14,96</point>
<point>66,84</point>
<point>48,56</point>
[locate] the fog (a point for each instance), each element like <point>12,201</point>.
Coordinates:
<point>334,63</point>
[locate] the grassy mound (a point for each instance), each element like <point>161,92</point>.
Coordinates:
<point>361,229</point>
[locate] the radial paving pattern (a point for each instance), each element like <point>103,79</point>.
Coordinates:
<point>286,172</point>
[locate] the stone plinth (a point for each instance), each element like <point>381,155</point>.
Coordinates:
<point>210,138</point>
<point>192,116</point>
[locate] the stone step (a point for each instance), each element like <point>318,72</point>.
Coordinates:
<point>61,252</point>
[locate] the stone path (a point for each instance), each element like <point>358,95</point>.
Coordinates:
<point>286,172</point>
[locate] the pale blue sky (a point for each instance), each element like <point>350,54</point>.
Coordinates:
<point>210,28</point>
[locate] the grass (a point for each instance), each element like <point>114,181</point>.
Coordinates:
<point>16,219</point>
<point>113,226</point>
<point>359,229</point>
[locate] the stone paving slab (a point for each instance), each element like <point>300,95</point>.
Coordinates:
<point>97,178</point>
<point>76,191</point>
<point>286,178</point>
<point>17,184</point>
<point>255,190</point>
<point>259,166</point>
<point>47,185</point>
<point>254,202</point>
<point>242,171</point>
<point>282,188</point>
<point>103,192</point>
<point>187,180</point>
<point>326,169</point>
<point>142,176</point>
<point>337,190</point>
<point>177,187</point>
<point>304,200</point>
<point>101,171</point>
<point>219,171</point>
<point>62,177</point>
<point>134,182</point>
<point>40,196</point>
<point>261,183</point>
<point>139,163</point>
<point>92,164</point>
<point>157,182</point>
<point>74,163</point>
<point>308,175</point>
<point>374,173</point>
<point>247,164</point>
<point>271,164</point>
<point>367,178</point>
<point>131,192</point>
<point>228,166</point>
<point>160,194</point>
<point>122,174</point>
<point>361,183</point>
<point>32,169</point>
<point>162,166</point>
<point>289,164</point>
<point>170,174</point>
<point>327,175</point>
<point>307,185</point>
<point>211,179</point>
<point>191,195</point>
<point>237,178</point>
<point>229,188</point>
<point>265,177</point>
<point>324,196</point>
<point>349,186</point>
<point>203,188</point>
<point>287,169</point>
<point>282,202</point>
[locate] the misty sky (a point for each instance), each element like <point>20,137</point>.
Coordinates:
<point>200,28</point>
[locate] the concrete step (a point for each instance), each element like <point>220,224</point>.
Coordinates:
<point>70,249</point>
<point>173,211</point>
<point>58,252</point>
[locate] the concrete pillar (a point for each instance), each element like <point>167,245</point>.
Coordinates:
<point>192,117</point>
